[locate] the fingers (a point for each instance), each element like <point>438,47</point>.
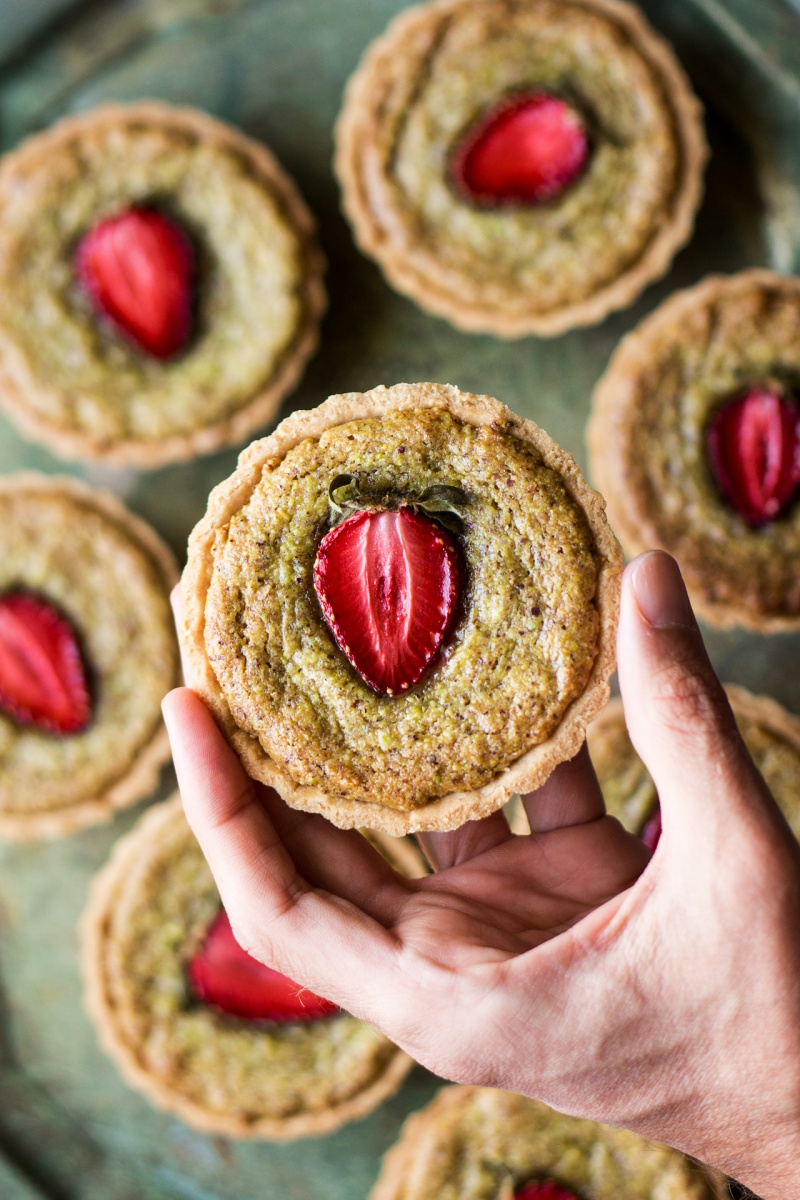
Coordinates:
<point>571,796</point>
<point>676,710</point>
<point>445,850</point>
<point>321,940</point>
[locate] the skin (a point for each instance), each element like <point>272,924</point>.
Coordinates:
<point>660,995</point>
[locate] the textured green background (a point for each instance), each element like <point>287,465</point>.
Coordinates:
<point>69,1128</point>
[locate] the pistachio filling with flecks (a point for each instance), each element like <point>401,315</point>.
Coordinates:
<point>520,650</point>
<point>245,1069</point>
<point>82,374</point>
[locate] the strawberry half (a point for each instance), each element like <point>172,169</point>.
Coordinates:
<point>226,977</point>
<point>526,150</point>
<point>388,583</point>
<point>753,445</point>
<point>138,270</point>
<point>547,1190</point>
<point>651,832</point>
<point>42,676</point>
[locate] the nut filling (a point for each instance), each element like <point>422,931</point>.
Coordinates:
<point>521,649</point>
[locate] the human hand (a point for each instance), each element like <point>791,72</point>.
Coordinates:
<point>664,1001</point>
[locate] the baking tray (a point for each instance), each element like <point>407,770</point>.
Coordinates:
<point>69,1128</point>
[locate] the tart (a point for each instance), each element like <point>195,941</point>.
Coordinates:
<point>160,285</point>
<point>475,1143</point>
<point>520,166</point>
<point>202,1029</point>
<point>771,734</point>
<point>401,607</point>
<point>695,441</point>
<point>87,652</point>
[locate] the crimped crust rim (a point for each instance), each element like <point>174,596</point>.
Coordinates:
<point>141,776</point>
<point>259,410</point>
<point>93,931</point>
<point>352,127</point>
<point>532,768</point>
<point>614,408</point>
<point>414,1129</point>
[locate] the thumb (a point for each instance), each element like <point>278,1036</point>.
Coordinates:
<point>676,710</point>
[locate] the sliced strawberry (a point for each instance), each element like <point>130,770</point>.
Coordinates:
<point>651,833</point>
<point>138,270</point>
<point>226,977</point>
<point>42,676</point>
<point>546,1190</point>
<point>388,583</point>
<point>526,150</point>
<point>753,447</point>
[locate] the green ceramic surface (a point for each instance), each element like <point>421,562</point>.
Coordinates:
<point>69,1128</point>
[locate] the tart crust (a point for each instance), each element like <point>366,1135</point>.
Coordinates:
<point>94,942</point>
<point>620,465</point>
<point>378,223</point>
<point>607,736</point>
<point>531,769</point>
<point>15,380</point>
<point>457,1112</point>
<point>141,776</point>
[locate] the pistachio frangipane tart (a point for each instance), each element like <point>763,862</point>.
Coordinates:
<point>401,608</point>
<point>201,1028</point>
<point>87,653</point>
<point>474,1143</point>
<point>694,440</point>
<point>160,285</point>
<point>771,734</point>
<point>520,166</point>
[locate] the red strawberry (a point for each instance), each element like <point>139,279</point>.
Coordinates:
<point>753,447</point>
<point>547,1190</point>
<point>526,150</point>
<point>138,269</point>
<point>42,678</point>
<point>228,978</point>
<point>388,583</point>
<point>651,833</point>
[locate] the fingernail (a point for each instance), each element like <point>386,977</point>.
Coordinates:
<point>659,591</point>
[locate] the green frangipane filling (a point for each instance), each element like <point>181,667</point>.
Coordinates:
<point>485,1147</point>
<point>115,597</point>
<point>249,271</point>
<point>565,249</point>
<point>229,1066</point>
<point>521,651</point>
<point>631,796</point>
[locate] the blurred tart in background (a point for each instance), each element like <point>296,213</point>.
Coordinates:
<point>87,652</point>
<point>695,441</point>
<point>521,166</point>
<point>474,1143</point>
<point>160,285</point>
<point>196,1024</point>
<point>771,734</point>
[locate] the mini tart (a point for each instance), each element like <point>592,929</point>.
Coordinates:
<point>66,377</point>
<point>149,909</point>
<point>525,667</point>
<point>110,576</point>
<point>771,734</point>
<point>647,441</point>
<point>475,1143</point>
<point>525,268</point>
